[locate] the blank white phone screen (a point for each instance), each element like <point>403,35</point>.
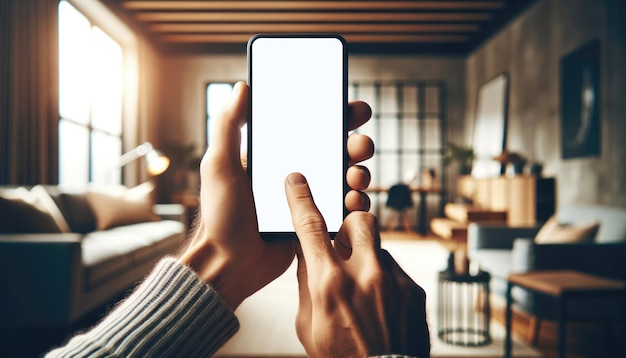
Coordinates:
<point>297,121</point>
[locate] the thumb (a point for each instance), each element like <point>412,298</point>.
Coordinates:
<point>226,133</point>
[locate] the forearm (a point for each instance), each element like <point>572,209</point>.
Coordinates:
<point>172,313</point>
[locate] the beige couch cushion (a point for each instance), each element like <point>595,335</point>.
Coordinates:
<point>552,232</point>
<point>29,211</point>
<point>117,205</point>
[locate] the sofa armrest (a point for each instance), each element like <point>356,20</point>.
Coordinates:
<point>496,235</point>
<point>599,259</point>
<point>174,212</point>
<point>522,255</point>
<point>41,278</point>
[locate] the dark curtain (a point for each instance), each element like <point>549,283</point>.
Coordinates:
<point>29,92</point>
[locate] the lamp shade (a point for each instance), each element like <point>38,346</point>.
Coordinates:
<point>156,161</point>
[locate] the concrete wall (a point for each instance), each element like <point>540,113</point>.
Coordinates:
<point>530,50</point>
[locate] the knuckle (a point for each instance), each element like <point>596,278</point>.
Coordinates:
<point>375,282</point>
<point>311,224</point>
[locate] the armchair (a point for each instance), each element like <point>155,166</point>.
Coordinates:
<point>502,250</point>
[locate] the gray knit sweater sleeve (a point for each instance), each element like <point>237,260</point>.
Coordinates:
<point>172,313</point>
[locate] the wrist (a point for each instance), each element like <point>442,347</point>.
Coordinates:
<point>211,265</point>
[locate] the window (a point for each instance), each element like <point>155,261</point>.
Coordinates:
<point>90,101</point>
<point>407,127</point>
<point>217,95</point>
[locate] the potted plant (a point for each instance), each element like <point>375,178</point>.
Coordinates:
<point>185,164</point>
<point>462,155</point>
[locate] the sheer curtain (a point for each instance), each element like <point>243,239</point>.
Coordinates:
<point>28,92</point>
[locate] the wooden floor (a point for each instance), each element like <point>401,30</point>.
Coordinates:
<point>584,340</point>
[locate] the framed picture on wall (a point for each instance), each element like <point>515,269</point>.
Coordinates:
<point>580,102</point>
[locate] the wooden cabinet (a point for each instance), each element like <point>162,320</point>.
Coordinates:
<point>528,200</point>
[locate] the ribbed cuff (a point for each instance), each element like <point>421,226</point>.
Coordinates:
<point>172,313</point>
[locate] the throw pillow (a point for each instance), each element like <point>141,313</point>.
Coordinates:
<point>46,202</point>
<point>74,206</point>
<point>118,205</point>
<point>22,212</point>
<point>553,232</point>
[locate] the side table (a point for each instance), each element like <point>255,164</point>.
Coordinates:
<point>563,286</point>
<point>191,202</point>
<point>464,312</point>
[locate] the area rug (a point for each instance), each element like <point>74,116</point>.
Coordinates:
<point>267,318</point>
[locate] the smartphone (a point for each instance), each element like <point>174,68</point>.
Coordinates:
<point>297,123</point>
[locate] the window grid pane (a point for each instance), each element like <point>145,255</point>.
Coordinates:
<point>406,126</point>
<point>74,34</point>
<point>106,92</point>
<point>73,153</point>
<point>105,154</point>
<point>217,95</point>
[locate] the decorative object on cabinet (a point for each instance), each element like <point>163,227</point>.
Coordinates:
<point>580,102</point>
<point>490,125</point>
<point>511,160</point>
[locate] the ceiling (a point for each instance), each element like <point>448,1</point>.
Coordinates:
<point>415,27</point>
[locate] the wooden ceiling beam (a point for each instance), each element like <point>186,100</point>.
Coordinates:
<point>299,27</point>
<point>313,5</point>
<point>241,17</point>
<point>352,38</point>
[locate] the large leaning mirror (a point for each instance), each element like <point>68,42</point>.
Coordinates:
<point>490,126</point>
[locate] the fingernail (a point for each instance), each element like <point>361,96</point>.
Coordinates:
<point>296,179</point>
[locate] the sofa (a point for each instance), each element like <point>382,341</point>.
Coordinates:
<point>64,253</point>
<point>501,250</point>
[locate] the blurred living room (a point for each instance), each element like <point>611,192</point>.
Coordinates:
<point>497,177</point>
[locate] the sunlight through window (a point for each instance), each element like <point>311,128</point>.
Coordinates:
<point>217,95</point>
<point>90,101</point>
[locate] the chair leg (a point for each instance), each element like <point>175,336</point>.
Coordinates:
<point>388,222</point>
<point>406,222</point>
<point>533,330</point>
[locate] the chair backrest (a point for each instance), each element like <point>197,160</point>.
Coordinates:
<point>399,197</point>
<point>612,220</point>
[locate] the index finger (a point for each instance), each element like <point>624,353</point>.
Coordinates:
<point>308,222</point>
